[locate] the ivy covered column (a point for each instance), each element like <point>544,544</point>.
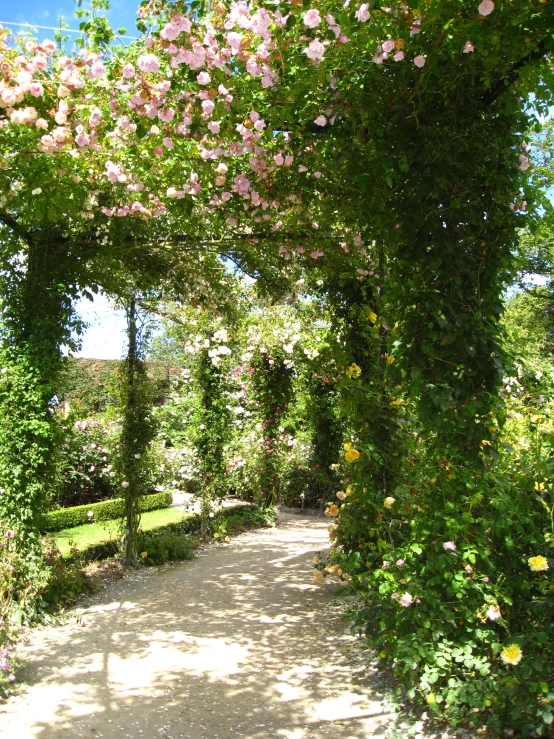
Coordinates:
<point>456,232</point>
<point>272,380</point>
<point>375,451</point>
<point>213,429</point>
<point>137,431</point>
<point>36,321</point>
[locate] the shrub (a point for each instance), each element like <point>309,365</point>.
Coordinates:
<point>155,548</point>
<point>85,473</point>
<point>67,518</point>
<point>446,589</point>
<point>66,579</point>
<point>9,636</point>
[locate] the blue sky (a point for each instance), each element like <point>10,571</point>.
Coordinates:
<point>122,14</point>
<point>105,336</point>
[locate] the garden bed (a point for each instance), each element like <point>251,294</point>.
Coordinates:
<point>101,540</point>
<point>109,510</point>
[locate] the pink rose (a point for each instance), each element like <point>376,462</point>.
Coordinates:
<point>362,14</point>
<point>36,89</point>
<point>312,18</point>
<point>486,7</point>
<point>315,51</point>
<point>406,600</point>
<point>49,47</point>
<point>148,63</point>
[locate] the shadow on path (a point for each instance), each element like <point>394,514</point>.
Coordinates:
<point>233,644</point>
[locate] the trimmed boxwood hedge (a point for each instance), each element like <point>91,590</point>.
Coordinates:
<point>236,517</point>
<point>68,518</point>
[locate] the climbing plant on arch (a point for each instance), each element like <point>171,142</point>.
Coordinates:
<point>259,119</point>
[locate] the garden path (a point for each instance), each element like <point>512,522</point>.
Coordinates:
<point>239,642</point>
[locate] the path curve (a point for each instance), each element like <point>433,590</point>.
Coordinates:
<point>239,642</point>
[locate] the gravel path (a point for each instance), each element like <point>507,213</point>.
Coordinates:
<point>239,642</point>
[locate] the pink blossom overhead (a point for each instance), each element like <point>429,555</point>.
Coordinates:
<point>419,61</point>
<point>36,89</point>
<point>49,47</point>
<point>321,120</point>
<point>468,47</point>
<point>166,115</point>
<point>234,39</point>
<point>149,63</point>
<point>97,70</point>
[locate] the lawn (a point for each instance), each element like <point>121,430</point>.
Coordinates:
<point>89,534</point>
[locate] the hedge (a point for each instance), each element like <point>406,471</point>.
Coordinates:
<point>68,518</point>
<point>244,513</point>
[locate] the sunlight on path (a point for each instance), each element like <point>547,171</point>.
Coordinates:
<point>233,644</point>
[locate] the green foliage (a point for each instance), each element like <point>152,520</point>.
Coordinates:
<point>441,561</point>
<point>66,518</point>
<point>211,423</point>
<point>104,539</point>
<point>77,545</point>
<point>90,386</point>
<point>271,376</point>
<point>84,464</point>
<point>160,547</point>
<point>137,430</point>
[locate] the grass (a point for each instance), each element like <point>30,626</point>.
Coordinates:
<point>82,537</point>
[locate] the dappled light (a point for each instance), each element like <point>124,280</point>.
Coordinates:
<point>233,644</point>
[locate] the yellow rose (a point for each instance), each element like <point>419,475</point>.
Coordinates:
<point>353,370</point>
<point>351,455</point>
<point>511,655</point>
<point>537,564</point>
<point>347,446</point>
<point>349,490</point>
<point>144,555</point>
<point>431,699</point>
<point>372,317</point>
<point>318,577</point>
<point>341,495</point>
<point>389,502</point>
